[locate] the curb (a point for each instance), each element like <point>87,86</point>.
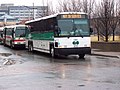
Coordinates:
<point>104,55</point>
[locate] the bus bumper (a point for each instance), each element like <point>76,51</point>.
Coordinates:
<point>19,45</point>
<point>72,51</point>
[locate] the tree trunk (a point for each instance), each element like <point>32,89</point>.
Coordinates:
<point>113,36</point>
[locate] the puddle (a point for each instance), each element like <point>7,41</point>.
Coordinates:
<point>9,59</point>
<point>81,85</point>
<point>50,77</point>
<point>5,54</point>
<point>71,64</point>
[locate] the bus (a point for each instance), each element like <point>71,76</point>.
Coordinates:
<point>1,35</point>
<point>65,33</point>
<point>14,35</point>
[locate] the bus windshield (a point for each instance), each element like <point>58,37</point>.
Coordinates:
<point>21,31</point>
<point>73,27</point>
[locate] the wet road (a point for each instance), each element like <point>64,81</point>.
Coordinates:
<point>22,70</point>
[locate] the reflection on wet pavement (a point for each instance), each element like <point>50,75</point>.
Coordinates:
<point>5,54</point>
<point>10,59</point>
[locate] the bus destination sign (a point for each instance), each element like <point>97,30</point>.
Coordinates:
<point>73,16</point>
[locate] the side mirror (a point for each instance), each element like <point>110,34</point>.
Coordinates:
<point>5,28</point>
<point>91,30</point>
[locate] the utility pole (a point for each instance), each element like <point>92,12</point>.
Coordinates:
<point>5,20</point>
<point>33,12</point>
<point>43,8</point>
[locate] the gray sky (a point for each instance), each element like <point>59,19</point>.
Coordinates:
<point>27,2</point>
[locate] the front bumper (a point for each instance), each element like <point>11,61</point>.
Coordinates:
<point>19,45</point>
<point>72,51</point>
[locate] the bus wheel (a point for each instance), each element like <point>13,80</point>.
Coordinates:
<point>81,56</point>
<point>52,53</point>
<point>4,43</point>
<point>30,47</point>
<point>11,45</point>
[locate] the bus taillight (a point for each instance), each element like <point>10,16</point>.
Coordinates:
<point>19,41</point>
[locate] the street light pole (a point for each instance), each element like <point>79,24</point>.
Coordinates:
<point>33,12</point>
<point>5,20</point>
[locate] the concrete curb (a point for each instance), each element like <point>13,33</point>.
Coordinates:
<point>112,56</point>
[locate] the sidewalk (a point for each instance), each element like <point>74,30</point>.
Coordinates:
<point>106,54</point>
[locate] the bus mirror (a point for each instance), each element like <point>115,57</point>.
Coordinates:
<point>91,30</point>
<point>5,28</point>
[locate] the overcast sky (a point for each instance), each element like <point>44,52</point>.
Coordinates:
<point>27,2</point>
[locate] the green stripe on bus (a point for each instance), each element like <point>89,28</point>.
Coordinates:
<point>43,36</point>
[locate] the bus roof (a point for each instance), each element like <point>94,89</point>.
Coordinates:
<point>13,26</point>
<point>54,15</point>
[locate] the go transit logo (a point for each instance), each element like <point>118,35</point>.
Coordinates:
<point>75,42</point>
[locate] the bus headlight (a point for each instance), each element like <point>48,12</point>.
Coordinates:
<point>64,46</point>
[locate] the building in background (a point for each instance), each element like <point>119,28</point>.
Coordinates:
<point>8,20</point>
<point>22,13</point>
<point>4,8</point>
<point>27,12</point>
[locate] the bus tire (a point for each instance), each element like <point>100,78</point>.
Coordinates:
<point>30,47</point>
<point>11,45</point>
<point>81,56</point>
<point>52,53</point>
<point>4,43</point>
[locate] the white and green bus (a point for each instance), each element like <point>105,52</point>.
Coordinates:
<point>14,35</point>
<point>66,33</point>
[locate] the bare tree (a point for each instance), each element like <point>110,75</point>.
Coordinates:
<point>50,9</point>
<point>46,9</point>
<point>87,6</point>
<point>72,5</point>
<point>107,18</point>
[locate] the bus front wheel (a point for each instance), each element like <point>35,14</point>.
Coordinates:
<point>30,47</point>
<point>11,44</point>
<point>52,53</point>
<point>81,56</point>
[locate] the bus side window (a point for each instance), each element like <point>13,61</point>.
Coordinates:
<point>31,28</point>
<point>51,27</point>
